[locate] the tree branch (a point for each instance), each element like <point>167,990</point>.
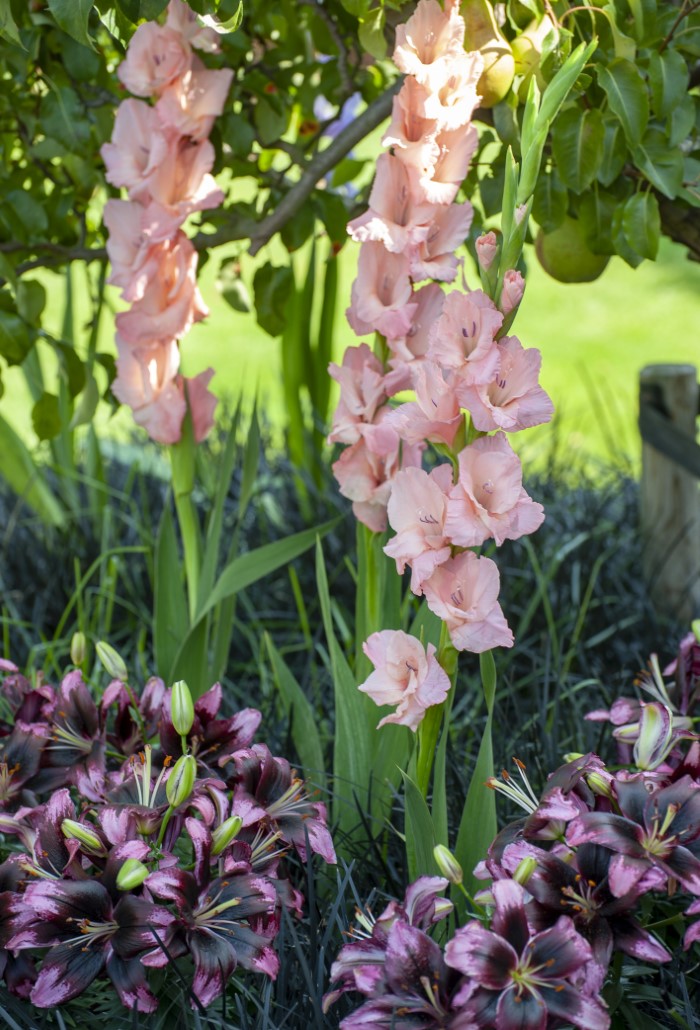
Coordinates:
<point>681,223</point>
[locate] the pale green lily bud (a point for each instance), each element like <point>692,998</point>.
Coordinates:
<point>112,660</point>
<point>695,627</point>
<point>656,737</point>
<point>448,864</point>
<point>132,874</point>
<point>524,871</point>
<point>181,708</point>
<point>78,647</point>
<point>181,780</point>
<point>599,785</point>
<point>73,830</point>
<point>224,834</point>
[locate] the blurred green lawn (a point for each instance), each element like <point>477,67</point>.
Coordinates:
<point>594,339</point>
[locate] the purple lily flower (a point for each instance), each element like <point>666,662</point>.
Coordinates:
<point>686,669</point>
<point>657,830</point>
<point>212,741</point>
<point>577,886</point>
<point>20,758</point>
<point>223,924</point>
<point>87,935</point>
<point>23,702</point>
<point>266,792</point>
<point>16,968</point>
<point>126,735</point>
<point>78,738</point>
<point>519,979</point>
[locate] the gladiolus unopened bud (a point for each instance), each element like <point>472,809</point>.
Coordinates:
<point>224,834</point>
<point>112,660</point>
<point>77,648</point>
<point>448,864</point>
<point>181,780</point>
<point>181,708</point>
<point>132,874</point>
<point>512,292</point>
<point>524,871</point>
<point>486,249</point>
<point>73,830</point>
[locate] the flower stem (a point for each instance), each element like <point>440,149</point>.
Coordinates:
<point>429,729</point>
<point>183,459</point>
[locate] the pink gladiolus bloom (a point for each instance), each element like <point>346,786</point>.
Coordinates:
<point>435,414</point>
<point>429,34</point>
<point>170,302</point>
<point>405,675</point>
<point>138,148</point>
<point>182,183</point>
<point>155,57</point>
<point>364,477</point>
<point>463,340</point>
<point>381,298</point>
<point>486,249</point>
<point>395,217</point>
<point>146,381</point>
<point>182,18</point>
<point>201,403</point>
<point>362,393</point>
<point>463,592</point>
<point>488,499</point>
<point>434,257</point>
<point>409,132</point>
<point>192,102</point>
<point>453,99</point>
<point>513,290</point>
<point>416,511</point>
<point>514,400</point>
<point>413,346</point>
<point>456,148</point>
<point>128,242</point>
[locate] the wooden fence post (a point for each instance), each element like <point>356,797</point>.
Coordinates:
<point>670,493</point>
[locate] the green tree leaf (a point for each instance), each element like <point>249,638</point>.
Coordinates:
<point>662,165</point>
<point>668,78</point>
<point>613,152</point>
<point>72,16</point>
<point>551,201</point>
<point>15,340</point>
<point>577,144</point>
<point>8,25</point>
<point>622,244</point>
<point>231,286</point>
<point>595,212</point>
<point>272,286</point>
<point>627,95</point>
<point>641,224</point>
<point>46,417</point>
<point>371,33</point>
<point>31,299</point>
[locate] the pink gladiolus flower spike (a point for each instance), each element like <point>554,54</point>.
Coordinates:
<point>406,675</point>
<point>416,511</point>
<point>463,592</point>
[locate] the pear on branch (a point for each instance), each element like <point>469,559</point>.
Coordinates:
<point>482,34</point>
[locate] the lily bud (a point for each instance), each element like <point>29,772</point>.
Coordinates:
<point>448,864</point>
<point>132,874</point>
<point>655,738</point>
<point>599,785</point>
<point>224,834</point>
<point>73,830</point>
<point>78,648</point>
<point>181,708</point>
<point>524,871</point>
<point>112,660</point>
<point>181,780</point>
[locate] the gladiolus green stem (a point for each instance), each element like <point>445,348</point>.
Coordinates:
<point>183,458</point>
<point>429,729</point>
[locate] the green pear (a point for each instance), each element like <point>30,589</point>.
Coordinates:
<point>482,34</point>
<point>565,255</point>
<point>527,52</point>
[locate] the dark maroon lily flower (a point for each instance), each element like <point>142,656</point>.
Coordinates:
<point>78,738</point>
<point>519,979</point>
<point>577,886</point>
<point>686,669</point>
<point>21,702</point>
<point>212,741</point>
<point>126,734</point>
<point>88,936</point>
<point>228,922</point>
<point>16,968</point>
<point>267,793</point>
<point>396,965</point>
<point>20,758</point>
<point>659,829</point>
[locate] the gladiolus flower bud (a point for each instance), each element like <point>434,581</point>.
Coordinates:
<point>524,871</point>
<point>181,708</point>
<point>73,830</point>
<point>448,864</point>
<point>181,780</point>
<point>513,290</point>
<point>224,834</point>
<point>132,874</point>
<point>77,648</point>
<point>112,660</point>
<point>486,249</point>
